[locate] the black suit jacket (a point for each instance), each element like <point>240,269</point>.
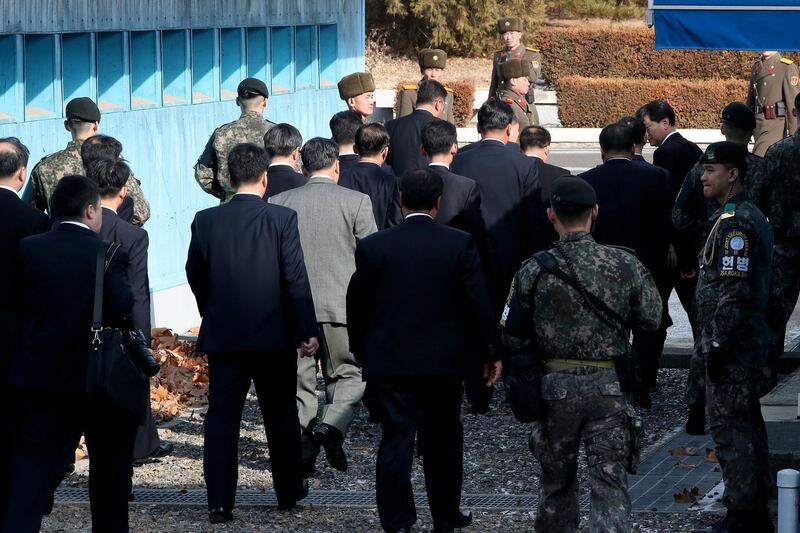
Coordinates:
<point>381,187</point>
<point>17,221</point>
<point>547,175</point>
<point>511,201</point>
<point>135,241</point>
<point>282,178</point>
<point>415,299</point>
<point>635,208</point>
<point>125,210</point>
<point>640,158</point>
<point>405,141</point>
<point>247,273</point>
<point>346,164</point>
<point>56,284</point>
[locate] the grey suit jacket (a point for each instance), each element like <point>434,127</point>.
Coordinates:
<point>331,219</point>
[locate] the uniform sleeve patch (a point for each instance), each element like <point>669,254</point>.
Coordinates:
<point>793,80</point>
<point>735,260</point>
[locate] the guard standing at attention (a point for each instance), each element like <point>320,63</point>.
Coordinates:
<point>432,63</point>
<point>733,336</point>
<point>211,170</point>
<point>602,292</point>
<point>511,29</point>
<point>515,75</point>
<point>773,86</point>
<point>358,92</point>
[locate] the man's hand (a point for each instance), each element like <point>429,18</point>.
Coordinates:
<point>672,257</point>
<point>309,347</point>
<point>491,372</point>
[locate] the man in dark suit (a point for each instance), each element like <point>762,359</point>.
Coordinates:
<point>17,221</point>
<point>56,284</point>
<point>283,142</point>
<point>110,176</point>
<point>405,152</point>
<point>246,270</point>
<point>416,292</point>
<point>635,211</point>
<point>344,126</point>
<point>370,177</point>
<point>636,125</point>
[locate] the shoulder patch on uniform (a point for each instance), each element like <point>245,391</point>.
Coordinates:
<point>529,49</point>
<point>448,89</point>
<point>509,100</point>
<point>409,87</point>
<point>786,60</point>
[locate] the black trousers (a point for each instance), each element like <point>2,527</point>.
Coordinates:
<point>275,378</point>
<point>431,406</point>
<point>46,430</point>
<point>147,440</point>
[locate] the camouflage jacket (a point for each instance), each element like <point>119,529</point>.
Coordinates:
<point>211,170</point>
<point>734,278</point>
<point>783,166</point>
<point>547,311</point>
<point>67,162</point>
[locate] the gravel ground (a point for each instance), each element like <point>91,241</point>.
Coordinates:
<point>496,461</point>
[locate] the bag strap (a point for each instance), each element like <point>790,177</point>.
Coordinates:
<point>105,253</point>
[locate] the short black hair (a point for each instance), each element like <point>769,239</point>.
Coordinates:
<point>494,115</point>
<point>71,197</point>
<point>246,163</point>
<point>319,153</point>
<point>13,158</point>
<point>616,137</point>
<point>419,189</point>
<point>570,214</point>
<point>438,136</point>
<point>344,126</point>
<point>636,124</point>
<point>110,175</point>
<point>282,139</point>
<point>100,146</point>
<point>658,110</point>
<point>534,137</point>
<point>371,139</point>
<point>428,91</point>
<point>78,125</point>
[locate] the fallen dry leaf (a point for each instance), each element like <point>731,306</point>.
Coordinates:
<point>688,450</point>
<point>687,496</point>
<point>681,464</point>
<point>711,455</point>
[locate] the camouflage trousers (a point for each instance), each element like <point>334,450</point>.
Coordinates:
<point>739,434</point>
<point>584,404</point>
<point>783,293</point>
<point>696,383</point>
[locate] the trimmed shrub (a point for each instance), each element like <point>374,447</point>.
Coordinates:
<point>595,102</point>
<point>602,9</point>
<point>463,98</point>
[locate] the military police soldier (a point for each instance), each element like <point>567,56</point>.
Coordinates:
<point>732,335</point>
<point>211,170</point>
<point>773,86</point>
<point>580,385</point>
<point>511,29</point>
<point>432,63</point>
<point>82,121</point>
<point>514,74</point>
<point>358,92</point>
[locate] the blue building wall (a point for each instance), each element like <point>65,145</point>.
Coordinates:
<point>164,74</point>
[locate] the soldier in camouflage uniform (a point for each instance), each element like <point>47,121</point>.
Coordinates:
<point>773,86</point>
<point>514,74</point>
<point>431,65</point>
<point>733,336</point>
<point>783,166</point>
<point>511,30</point>
<point>211,170</point>
<point>580,385</point>
<point>82,121</point>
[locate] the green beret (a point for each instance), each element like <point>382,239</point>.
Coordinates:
<point>514,68</point>
<point>571,190</point>
<point>355,84</point>
<point>84,109</point>
<point>509,24</point>
<point>250,87</point>
<point>724,153</point>
<point>432,58</point>
<point>739,116</point>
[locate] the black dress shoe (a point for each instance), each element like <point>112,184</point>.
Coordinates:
<point>461,520</point>
<point>331,439</point>
<point>165,448</point>
<point>696,424</point>
<point>220,516</point>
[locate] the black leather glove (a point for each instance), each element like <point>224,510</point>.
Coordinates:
<point>716,360</point>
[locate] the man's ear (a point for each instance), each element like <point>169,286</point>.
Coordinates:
<point>551,215</point>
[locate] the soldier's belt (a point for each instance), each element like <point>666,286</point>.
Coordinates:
<point>596,363</point>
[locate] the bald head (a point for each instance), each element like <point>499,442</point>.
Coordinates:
<point>13,162</point>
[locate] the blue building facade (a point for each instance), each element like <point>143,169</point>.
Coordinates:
<point>164,74</point>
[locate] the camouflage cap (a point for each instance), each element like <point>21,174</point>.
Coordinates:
<point>509,24</point>
<point>724,153</point>
<point>250,87</point>
<point>355,84</point>
<point>432,58</point>
<point>571,190</point>
<point>739,115</point>
<point>84,109</point>
<point>514,68</point>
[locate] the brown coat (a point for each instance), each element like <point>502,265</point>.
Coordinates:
<point>520,52</point>
<point>526,113</point>
<point>407,102</point>
<point>773,82</point>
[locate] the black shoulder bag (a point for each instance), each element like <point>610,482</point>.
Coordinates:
<point>112,374</point>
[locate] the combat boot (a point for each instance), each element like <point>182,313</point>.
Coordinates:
<point>696,424</point>
<point>742,522</point>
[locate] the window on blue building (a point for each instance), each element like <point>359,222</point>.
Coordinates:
<point>282,60</point>
<point>258,54</point>
<point>42,90</point>
<point>305,57</point>
<point>231,43</point>
<point>175,67</point>
<point>205,66</point>
<point>145,81</point>
<point>328,53</point>
<point>11,79</point>
<point>77,66</point>
<point>113,92</point>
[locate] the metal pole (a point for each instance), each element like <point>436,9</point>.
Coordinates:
<point>788,490</point>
